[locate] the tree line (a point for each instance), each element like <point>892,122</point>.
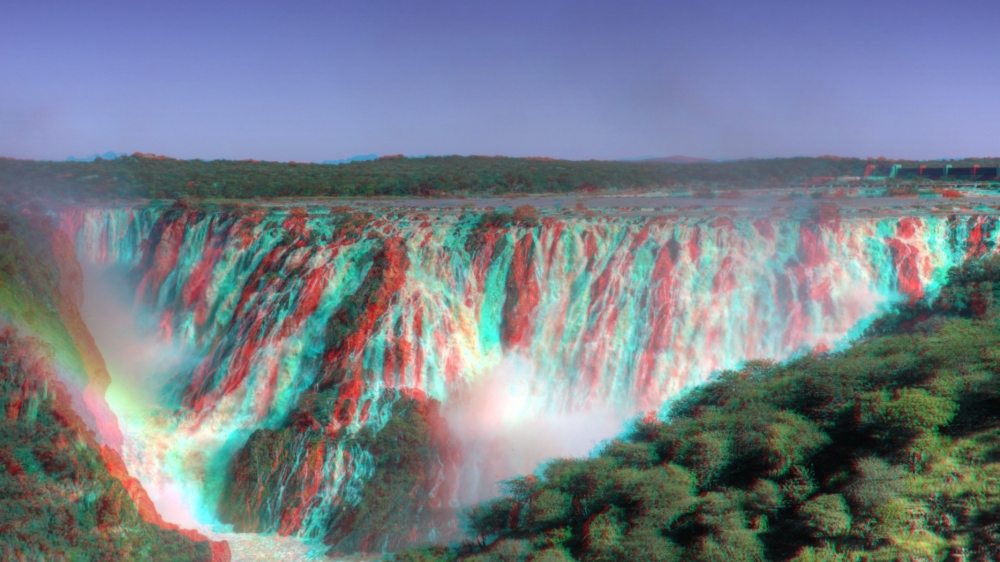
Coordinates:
<point>149,176</point>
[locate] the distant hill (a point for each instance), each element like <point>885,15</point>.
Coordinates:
<point>678,159</point>
<point>106,156</point>
<point>359,158</point>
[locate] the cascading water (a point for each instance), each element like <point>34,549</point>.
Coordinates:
<point>262,314</point>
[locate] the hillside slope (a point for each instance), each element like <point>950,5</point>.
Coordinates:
<point>889,450</point>
<point>64,492</point>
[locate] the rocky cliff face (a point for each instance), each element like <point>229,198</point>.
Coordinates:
<point>397,487</point>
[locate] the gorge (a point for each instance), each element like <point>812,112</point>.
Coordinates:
<point>353,375</point>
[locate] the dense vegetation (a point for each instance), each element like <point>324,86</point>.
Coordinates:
<point>58,499</point>
<point>146,176</point>
<point>889,450</point>
<point>158,177</point>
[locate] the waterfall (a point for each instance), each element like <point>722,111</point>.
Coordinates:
<point>272,305</point>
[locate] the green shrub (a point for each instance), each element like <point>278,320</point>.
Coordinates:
<point>554,554</point>
<point>915,409</point>
<point>548,509</point>
<point>876,483</point>
<point>826,516</point>
<point>706,455</point>
<point>604,535</point>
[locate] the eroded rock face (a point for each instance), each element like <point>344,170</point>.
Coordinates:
<point>521,296</point>
<point>398,483</point>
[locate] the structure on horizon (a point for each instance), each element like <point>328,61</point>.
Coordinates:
<point>967,173</point>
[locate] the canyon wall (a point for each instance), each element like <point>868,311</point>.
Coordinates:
<point>318,337</point>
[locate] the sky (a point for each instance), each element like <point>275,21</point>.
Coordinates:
<point>325,80</point>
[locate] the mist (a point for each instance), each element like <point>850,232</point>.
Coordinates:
<point>507,427</point>
<point>144,365</point>
<point>142,359</point>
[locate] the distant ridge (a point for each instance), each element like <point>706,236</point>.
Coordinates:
<point>106,156</point>
<point>677,159</point>
<point>359,158</point>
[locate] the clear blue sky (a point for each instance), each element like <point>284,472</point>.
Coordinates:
<point>311,80</point>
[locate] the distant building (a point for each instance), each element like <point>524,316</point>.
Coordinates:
<point>967,173</point>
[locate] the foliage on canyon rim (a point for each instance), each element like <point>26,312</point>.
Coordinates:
<point>142,175</point>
